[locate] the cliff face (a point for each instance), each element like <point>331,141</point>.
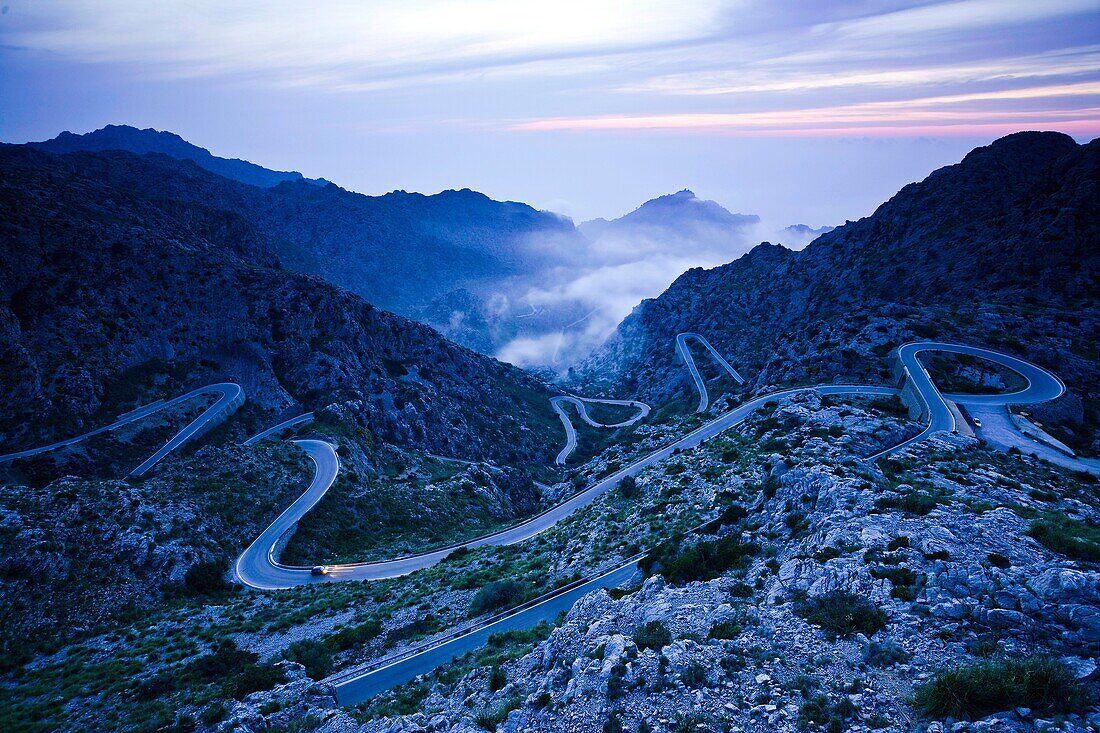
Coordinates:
<point>121,278</point>
<point>999,249</point>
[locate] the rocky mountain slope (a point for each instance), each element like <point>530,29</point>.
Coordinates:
<point>82,552</point>
<point>950,588</point>
<point>133,140</point>
<point>398,251</point>
<point>787,582</point>
<point>124,276</point>
<point>998,249</point>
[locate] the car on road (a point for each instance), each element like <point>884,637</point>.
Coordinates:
<point>977,423</point>
<point>320,570</point>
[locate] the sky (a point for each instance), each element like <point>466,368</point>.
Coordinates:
<point>804,112</point>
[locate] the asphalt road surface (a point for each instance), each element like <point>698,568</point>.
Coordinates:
<point>700,384</point>
<point>259,568</point>
<point>230,397</point>
<point>353,687</point>
<point>276,429</point>
<point>1042,386</point>
<point>579,402</point>
<point>1000,432</point>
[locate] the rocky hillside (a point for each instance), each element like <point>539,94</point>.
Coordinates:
<point>952,588</point>
<point>133,140</point>
<point>398,251</point>
<point>999,249</point>
<point>83,552</point>
<point>124,276</point>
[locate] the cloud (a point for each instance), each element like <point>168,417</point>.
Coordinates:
<point>797,75</point>
<point>343,43</point>
<point>620,267</point>
<point>720,67</point>
<point>963,113</point>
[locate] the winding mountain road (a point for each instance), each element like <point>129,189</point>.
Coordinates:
<point>700,384</point>
<point>258,566</point>
<point>579,402</point>
<point>276,429</point>
<point>1042,386</point>
<point>230,397</point>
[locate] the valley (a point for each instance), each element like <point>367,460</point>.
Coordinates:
<point>795,480</point>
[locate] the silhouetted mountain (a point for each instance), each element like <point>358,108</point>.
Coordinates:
<point>122,272</point>
<point>680,214</point>
<point>133,140</point>
<point>1000,248</point>
<point>399,251</point>
<point>798,236</point>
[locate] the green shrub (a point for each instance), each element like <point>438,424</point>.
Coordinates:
<point>255,678</point>
<point>741,590</point>
<point>898,543</point>
<point>498,678</point>
<point>771,486</point>
<point>890,405</point>
<point>842,614</point>
<point>499,594</point>
<point>429,624</point>
<point>490,719</point>
<point>817,710</point>
<point>352,636</point>
<point>706,560</point>
<point>214,714</point>
<point>694,676</point>
<point>919,503</point>
<point>728,629</point>
<point>797,523</point>
<point>206,578</point>
<point>1074,539</point>
<point>653,635</point>
<point>628,485</point>
<point>974,691</point>
<point>886,654</point>
<point>224,661</point>
<point>457,554</point>
<point>902,579</point>
<point>691,722</point>
<point>313,655</point>
<point>732,514</point>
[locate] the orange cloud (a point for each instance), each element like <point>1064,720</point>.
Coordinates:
<point>962,114</point>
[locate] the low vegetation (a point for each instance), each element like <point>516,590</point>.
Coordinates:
<point>703,560</point>
<point>974,691</point>
<point>653,635</point>
<point>498,595</point>
<point>1074,539</point>
<point>841,614</point>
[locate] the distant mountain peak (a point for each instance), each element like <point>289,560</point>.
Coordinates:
<point>148,140</point>
<point>680,211</point>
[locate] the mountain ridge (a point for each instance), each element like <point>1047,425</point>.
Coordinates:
<point>107,262</point>
<point>1002,241</point>
<point>149,140</point>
